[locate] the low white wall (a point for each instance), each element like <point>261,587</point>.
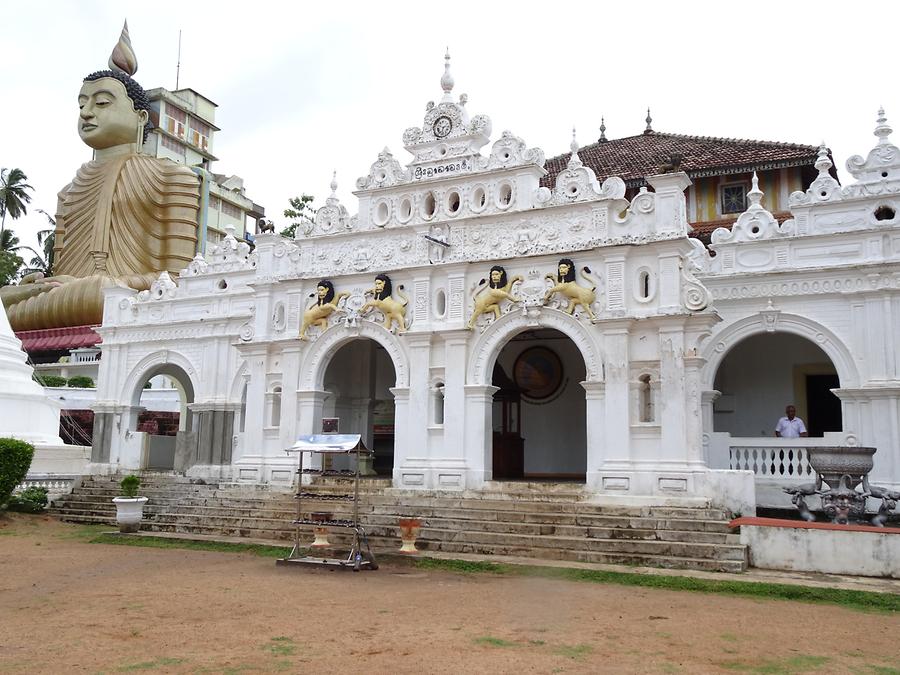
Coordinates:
<point>60,460</point>
<point>821,547</point>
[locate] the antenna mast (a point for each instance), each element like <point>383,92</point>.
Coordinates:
<point>178,66</point>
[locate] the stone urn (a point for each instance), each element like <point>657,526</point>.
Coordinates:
<point>129,513</point>
<point>320,530</point>
<point>833,462</point>
<point>409,532</point>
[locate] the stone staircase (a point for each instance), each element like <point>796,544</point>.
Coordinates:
<point>538,520</point>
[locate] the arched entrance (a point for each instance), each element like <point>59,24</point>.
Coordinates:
<point>357,383</point>
<point>160,411</point>
<point>763,373</point>
<point>539,411</point>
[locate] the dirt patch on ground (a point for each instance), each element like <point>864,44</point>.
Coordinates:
<point>71,606</point>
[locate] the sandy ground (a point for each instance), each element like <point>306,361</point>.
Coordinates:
<point>70,606</point>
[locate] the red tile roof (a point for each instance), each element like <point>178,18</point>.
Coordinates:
<point>635,157</point>
<point>58,339</point>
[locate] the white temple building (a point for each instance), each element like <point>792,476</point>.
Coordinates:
<point>611,349</point>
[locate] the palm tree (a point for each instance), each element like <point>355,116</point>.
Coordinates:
<point>13,195</point>
<point>9,243</point>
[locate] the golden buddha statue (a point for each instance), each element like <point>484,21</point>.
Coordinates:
<point>125,217</point>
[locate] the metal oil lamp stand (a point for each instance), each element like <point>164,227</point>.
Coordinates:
<point>360,555</point>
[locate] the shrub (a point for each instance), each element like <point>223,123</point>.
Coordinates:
<point>130,485</point>
<point>81,381</point>
<point>50,380</point>
<point>29,500</point>
<point>15,460</point>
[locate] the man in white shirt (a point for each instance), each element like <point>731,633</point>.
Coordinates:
<point>790,426</point>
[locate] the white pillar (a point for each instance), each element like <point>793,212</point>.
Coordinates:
<point>290,410</point>
<point>673,411</point>
<point>595,434</point>
<point>616,417</point>
<point>479,439</point>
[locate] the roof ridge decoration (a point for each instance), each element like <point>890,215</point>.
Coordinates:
<point>754,224</point>
<point>447,133</point>
<point>334,216</point>
<point>510,150</point>
<point>578,182</point>
<point>824,188</point>
<point>880,170</point>
<point>384,172</point>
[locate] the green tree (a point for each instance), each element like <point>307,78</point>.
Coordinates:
<point>10,259</point>
<point>302,214</point>
<point>42,261</point>
<point>10,264</point>
<point>13,195</point>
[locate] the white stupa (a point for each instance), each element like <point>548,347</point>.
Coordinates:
<point>25,411</point>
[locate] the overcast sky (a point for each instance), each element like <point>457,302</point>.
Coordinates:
<point>307,88</point>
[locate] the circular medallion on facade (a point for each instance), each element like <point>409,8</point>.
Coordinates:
<point>538,372</point>
<point>442,126</point>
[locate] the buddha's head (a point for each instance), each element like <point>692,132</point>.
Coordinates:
<point>114,109</point>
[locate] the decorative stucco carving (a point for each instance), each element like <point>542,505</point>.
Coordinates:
<point>754,224</point>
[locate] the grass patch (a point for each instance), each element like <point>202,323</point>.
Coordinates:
<point>864,601</point>
<point>882,670</point>
<point>156,664</point>
<point>573,651</point>
<point>462,566</point>
<point>494,642</point>
<point>216,546</point>
<point>795,664</point>
<point>280,646</point>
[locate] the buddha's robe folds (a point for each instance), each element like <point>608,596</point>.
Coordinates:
<point>122,220</point>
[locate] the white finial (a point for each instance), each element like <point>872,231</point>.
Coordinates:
<point>648,120</point>
<point>574,160</point>
<point>334,184</point>
<point>755,195</point>
<point>447,78</point>
<point>882,128</point>
<point>603,138</point>
<point>823,162</point>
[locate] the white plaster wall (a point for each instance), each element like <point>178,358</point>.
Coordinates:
<point>875,554</point>
<point>757,379</point>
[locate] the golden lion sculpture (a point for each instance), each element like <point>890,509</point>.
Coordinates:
<point>568,286</point>
<point>326,303</point>
<point>489,297</point>
<point>383,301</point>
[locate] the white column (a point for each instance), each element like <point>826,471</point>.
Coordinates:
<point>673,411</point>
<point>290,370</point>
<point>309,418</point>
<point>616,417</point>
<point>707,417</point>
<point>403,477</point>
<point>416,448</point>
<point>595,434</point>
<point>478,432</point>
<point>694,411</point>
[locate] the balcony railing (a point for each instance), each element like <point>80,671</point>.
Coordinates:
<point>790,463</point>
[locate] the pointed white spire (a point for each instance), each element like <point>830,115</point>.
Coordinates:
<point>447,79</point>
<point>882,128</point>
<point>648,120</point>
<point>603,138</point>
<point>755,195</point>
<point>574,160</point>
<point>823,162</point>
<point>334,183</point>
